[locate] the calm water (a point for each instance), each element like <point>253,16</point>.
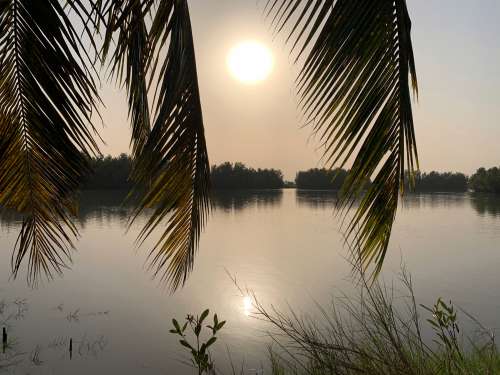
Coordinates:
<point>285,246</point>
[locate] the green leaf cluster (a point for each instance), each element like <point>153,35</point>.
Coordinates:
<point>199,349</point>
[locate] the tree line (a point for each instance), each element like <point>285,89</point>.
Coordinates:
<point>483,181</point>
<point>321,179</point>
<point>324,179</point>
<point>112,173</point>
<point>109,173</point>
<point>486,180</point>
<point>446,182</point>
<point>239,176</point>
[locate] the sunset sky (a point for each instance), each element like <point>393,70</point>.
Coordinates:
<point>457,52</point>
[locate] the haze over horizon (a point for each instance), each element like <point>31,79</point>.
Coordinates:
<point>456,117</point>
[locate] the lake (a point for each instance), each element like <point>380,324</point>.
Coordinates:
<point>285,246</point>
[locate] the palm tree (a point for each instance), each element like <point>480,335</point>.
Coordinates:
<point>354,85</point>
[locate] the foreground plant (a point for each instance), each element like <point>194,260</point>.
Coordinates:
<point>199,350</point>
<point>378,331</point>
<point>444,322</point>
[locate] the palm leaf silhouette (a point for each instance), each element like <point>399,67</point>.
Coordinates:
<point>47,95</point>
<point>171,167</point>
<point>354,87</point>
<point>128,61</point>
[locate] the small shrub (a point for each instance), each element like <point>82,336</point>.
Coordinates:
<point>199,350</point>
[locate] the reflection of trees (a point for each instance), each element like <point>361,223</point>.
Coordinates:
<point>100,205</point>
<point>486,204</point>
<point>229,200</point>
<point>104,206</point>
<point>483,204</point>
<point>107,206</point>
<point>9,219</point>
<point>321,199</point>
<point>316,199</point>
<point>434,200</point>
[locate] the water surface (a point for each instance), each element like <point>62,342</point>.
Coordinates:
<point>284,245</point>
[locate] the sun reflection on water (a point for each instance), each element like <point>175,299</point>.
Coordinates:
<point>247,305</point>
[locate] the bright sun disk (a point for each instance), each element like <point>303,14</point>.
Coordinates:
<point>250,62</point>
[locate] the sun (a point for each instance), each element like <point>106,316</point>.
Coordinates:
<point>250,62</point>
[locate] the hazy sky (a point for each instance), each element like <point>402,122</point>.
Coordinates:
<point>457,50</point>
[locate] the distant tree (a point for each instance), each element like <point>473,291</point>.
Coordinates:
<point>109,173</point>
<point>323,179</point>
<point>238,176</point>
<point>439,182</point>
<point>486,181</point>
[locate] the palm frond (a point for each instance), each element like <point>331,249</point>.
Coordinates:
<point>354,87</point>
<point>173,165</point>
<point>129,59</point>
<point>47,95</point>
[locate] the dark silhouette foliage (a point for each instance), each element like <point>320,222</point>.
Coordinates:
<point>109,173</point>
<point>486,181</point>
<point>112,173</point>
<point>239,176</point>
<point>439,182</point>
<point>321,179</point>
